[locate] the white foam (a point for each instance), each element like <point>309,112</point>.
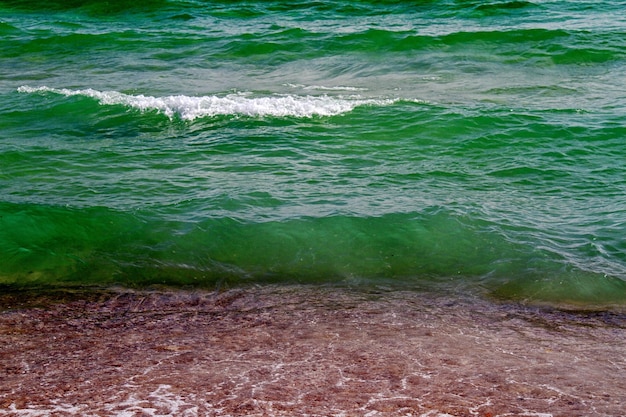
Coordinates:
<point>190,107</point>
<point>64,409</point>
<point>159,403</point>
<point>322,87</point>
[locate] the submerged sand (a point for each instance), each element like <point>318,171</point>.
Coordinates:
<point>305,351</point>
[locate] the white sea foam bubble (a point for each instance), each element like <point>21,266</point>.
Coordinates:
<point>244,104</point>
<point>322,87</point>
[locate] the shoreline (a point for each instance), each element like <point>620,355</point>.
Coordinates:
<point>307,351</point>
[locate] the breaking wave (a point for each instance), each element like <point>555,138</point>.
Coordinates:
<point>244,104</point>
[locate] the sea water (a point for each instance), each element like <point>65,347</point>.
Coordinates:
<point>429,144</point>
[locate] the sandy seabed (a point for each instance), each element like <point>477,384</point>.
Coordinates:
<point>304,351</point>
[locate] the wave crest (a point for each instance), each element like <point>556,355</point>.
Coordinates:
<point>191,107</point>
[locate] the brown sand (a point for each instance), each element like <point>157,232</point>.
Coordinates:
<point>301,351</point>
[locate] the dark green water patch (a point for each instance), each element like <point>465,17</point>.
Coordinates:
<point>93,7</point>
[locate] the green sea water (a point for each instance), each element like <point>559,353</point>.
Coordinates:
<point>445,143</point>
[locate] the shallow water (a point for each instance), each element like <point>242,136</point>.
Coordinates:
<point>306,351</point>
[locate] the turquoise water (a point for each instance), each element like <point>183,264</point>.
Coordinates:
<point>478,145</point>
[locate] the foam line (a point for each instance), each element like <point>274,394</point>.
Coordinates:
<point>190,107</point>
